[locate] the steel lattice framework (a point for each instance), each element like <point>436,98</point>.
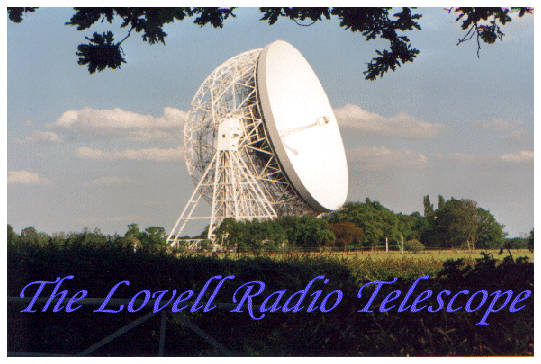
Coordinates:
<point>245,182</point>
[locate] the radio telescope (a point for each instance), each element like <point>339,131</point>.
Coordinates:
<point>261,140</point>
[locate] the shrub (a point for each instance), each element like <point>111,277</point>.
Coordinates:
<point>414,245</point>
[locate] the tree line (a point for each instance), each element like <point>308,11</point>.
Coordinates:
<point>151,240</point>
<point>453,224</point>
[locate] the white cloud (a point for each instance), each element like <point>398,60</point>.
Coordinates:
<point>489,161</point>
<point>119,123</point>
<point>498,125</point>
<point>40,137</point>
<point>466,159</point>
<point>25,177</point>
<point>108,181</point>
<point>148,154</point>
<point>521,136</point>
<point>373,158</point>
<point>511,131</point>
<point>401,125</point>
<point>524,156</point>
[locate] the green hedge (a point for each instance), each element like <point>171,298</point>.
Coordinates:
<point>342,331</point>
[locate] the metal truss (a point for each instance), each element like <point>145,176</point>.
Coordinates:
<point>245,183</point>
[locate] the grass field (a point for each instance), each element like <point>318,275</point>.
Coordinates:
<point>439,255</point>
<point>375,265</point>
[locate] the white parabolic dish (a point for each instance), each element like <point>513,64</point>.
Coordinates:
<point>302,126</point>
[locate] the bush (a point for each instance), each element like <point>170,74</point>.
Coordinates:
<point>341,332</point>
<point>414,246</point>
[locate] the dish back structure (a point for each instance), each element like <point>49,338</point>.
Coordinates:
<point>229,154</point>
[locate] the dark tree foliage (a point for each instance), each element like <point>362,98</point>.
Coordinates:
<point>102,51</point>
<point>461,224</point>
<point>341,331</point>
<point>455,224</point>
<point>305,232</point>
<point>473,20</point>
<point>16,14</point>
<point>514,243</point>
<point>372,23</point>
<point>12,236</point>
<point>346,234</point>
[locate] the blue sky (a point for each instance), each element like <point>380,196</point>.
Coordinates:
<point>105,150</point>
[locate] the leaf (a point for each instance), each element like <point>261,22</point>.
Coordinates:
<point>100,53</point>
<point>16,14</point>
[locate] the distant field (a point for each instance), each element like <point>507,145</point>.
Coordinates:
<point>427,255</point>
<point>439,255</point>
